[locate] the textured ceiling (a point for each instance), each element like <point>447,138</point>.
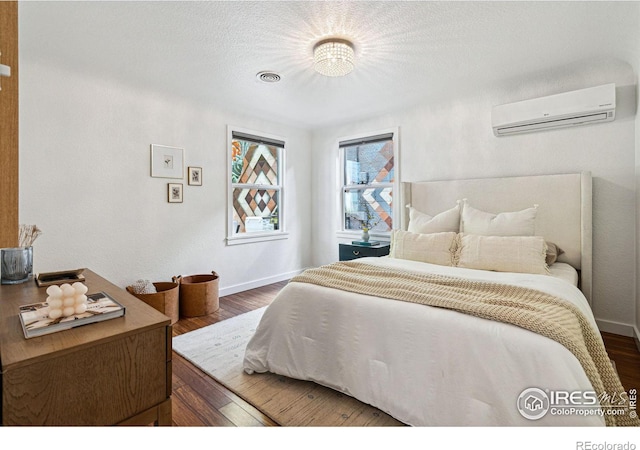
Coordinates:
<point>406,52</point>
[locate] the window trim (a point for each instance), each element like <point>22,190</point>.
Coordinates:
<point>395,208</point>
<point>247,238</point>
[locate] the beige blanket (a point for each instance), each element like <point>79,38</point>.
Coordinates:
<point>527,308</point>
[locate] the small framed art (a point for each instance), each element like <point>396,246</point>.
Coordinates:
<point>194,175</point>
<point>175,193</point>
<point>167,162</point>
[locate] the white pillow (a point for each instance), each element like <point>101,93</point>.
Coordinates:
<point>448,220</point>
<point>520,254</point>
<point>519,223</point>
<point>434,248</point>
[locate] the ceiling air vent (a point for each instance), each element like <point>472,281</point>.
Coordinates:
<point>268,77</point>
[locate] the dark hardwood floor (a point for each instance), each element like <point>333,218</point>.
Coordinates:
<point>623,351</point>
<point>198,400</point>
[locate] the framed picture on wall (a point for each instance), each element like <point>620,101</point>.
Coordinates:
<point>194,176</point>
<point>167,162</point>
<point>175,193</point>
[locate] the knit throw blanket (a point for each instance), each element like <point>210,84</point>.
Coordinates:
<point>527,308</point>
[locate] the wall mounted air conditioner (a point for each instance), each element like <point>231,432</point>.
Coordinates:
<point>581,107</point>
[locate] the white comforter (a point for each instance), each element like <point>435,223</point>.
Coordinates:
<point>420,364</point>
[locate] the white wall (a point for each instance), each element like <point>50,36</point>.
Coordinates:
<point>454,140</point>
<point>85,181</point>
<point>637,248</point>
<point>84,176</point>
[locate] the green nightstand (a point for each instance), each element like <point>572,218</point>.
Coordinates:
<point>354,251</point>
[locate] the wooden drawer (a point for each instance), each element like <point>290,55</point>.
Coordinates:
<point>100,385</point>
<point>350,251</point>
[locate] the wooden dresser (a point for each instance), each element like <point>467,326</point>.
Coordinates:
<point>112,372</point>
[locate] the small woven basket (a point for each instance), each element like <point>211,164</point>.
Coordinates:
<point>198,294</point>
<point>166,299</point>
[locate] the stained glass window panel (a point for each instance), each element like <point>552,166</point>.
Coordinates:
<point>256,185</point>
<point>254,163</point>
<point>255,210</point>
<point>369,163</point>
<point>368,180</point>
<point>368,208</point>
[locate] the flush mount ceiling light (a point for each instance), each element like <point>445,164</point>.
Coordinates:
<point>333,57</point>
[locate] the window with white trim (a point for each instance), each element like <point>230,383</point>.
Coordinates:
<point>368,181</point>
<point>256,187</point>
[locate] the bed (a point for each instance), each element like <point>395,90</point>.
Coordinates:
<point>428,365</point>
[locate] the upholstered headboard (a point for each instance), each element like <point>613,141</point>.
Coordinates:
<point>563,216</point>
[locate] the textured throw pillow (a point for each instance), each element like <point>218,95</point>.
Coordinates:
<point>519,223</point>
<point>420,222</point>
<point>520,254</point>
<point>434,248</point>
<point>553,251</point>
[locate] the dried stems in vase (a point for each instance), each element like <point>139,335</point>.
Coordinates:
<point>28,234</point>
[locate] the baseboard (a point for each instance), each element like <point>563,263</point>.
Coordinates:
<point>608,326</point>
<point>257,283</point>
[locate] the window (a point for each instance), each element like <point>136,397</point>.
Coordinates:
<point>256,187</point>
<point>368,180</point>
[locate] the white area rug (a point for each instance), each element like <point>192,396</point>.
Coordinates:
<point>218,349</point>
